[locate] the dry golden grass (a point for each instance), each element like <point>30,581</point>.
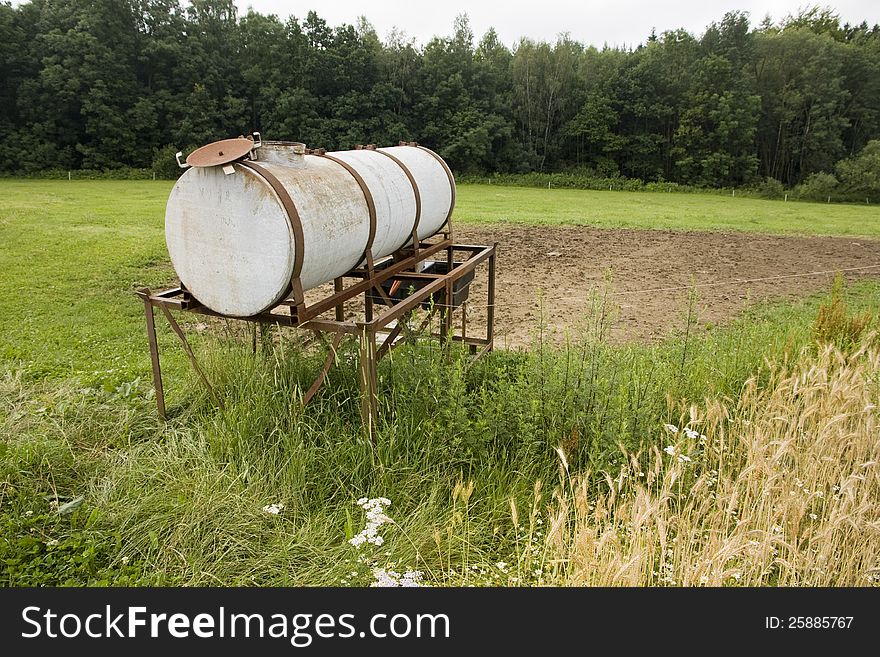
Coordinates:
<point>778,487</point>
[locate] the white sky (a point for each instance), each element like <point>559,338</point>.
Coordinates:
<point>596,22</point>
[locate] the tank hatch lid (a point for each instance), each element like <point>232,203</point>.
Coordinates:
<point>220,152</point>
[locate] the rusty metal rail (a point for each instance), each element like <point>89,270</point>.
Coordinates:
<point>368,281</point>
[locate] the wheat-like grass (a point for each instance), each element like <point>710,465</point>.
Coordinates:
<point>782,488</point>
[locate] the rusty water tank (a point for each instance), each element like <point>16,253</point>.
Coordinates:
<point>230,232</point>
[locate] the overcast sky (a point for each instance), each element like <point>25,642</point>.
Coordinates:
<point>596,22</point>
<point>615,22</point>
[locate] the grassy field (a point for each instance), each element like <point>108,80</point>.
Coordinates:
<point>523,205</point>
<point>515,470</point>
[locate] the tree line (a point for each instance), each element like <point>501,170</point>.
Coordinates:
<point>102,84</point>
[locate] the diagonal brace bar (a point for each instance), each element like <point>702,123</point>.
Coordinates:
<point>189,352</point>
<point>322,377</point>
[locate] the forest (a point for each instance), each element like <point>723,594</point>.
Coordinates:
<point>104,84</point>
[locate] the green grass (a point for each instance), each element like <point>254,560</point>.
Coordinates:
<point>73,253</point>
<point>656,210</point>
<point>180,503</point>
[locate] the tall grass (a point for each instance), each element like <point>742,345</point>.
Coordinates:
<point>459,451</point>
<point>780,486</point>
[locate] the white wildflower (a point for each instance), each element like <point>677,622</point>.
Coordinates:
<point>671,428</point>
<point>690,433</point>
<point>52,543</point>
<point>670,449</point>
<point>390,578</point>
<point>684,458</point>
<point>375,511</point>
<point>273,509</point>
<point>411,579</point>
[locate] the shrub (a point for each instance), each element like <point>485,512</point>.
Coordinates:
<point>769,188</point>
<point>817,187</point>
<point>860,175</point>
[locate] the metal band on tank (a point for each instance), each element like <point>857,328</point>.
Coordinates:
<point>415,187</point>
<point>368,196</point>
<point>448,175</point>
<point>292,218</point>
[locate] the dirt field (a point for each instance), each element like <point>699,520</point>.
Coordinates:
<point>566,263</point>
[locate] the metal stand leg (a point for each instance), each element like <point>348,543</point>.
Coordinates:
<point>369,382</point>
<point>490,311</point>
<point>446,330</point>
<point>368,306</point>
<point>154,355</point>
<point>340,309</point>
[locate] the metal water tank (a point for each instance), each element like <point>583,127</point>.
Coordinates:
<point>230,232</point>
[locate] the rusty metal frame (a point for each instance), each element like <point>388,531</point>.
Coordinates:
<point>373,327</point>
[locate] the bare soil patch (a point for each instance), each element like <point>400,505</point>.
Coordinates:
<point>561,265</point>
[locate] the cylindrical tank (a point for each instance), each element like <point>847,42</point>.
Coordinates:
<point>230,234</point>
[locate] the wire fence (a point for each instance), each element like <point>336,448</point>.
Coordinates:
<point>676,288</point>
